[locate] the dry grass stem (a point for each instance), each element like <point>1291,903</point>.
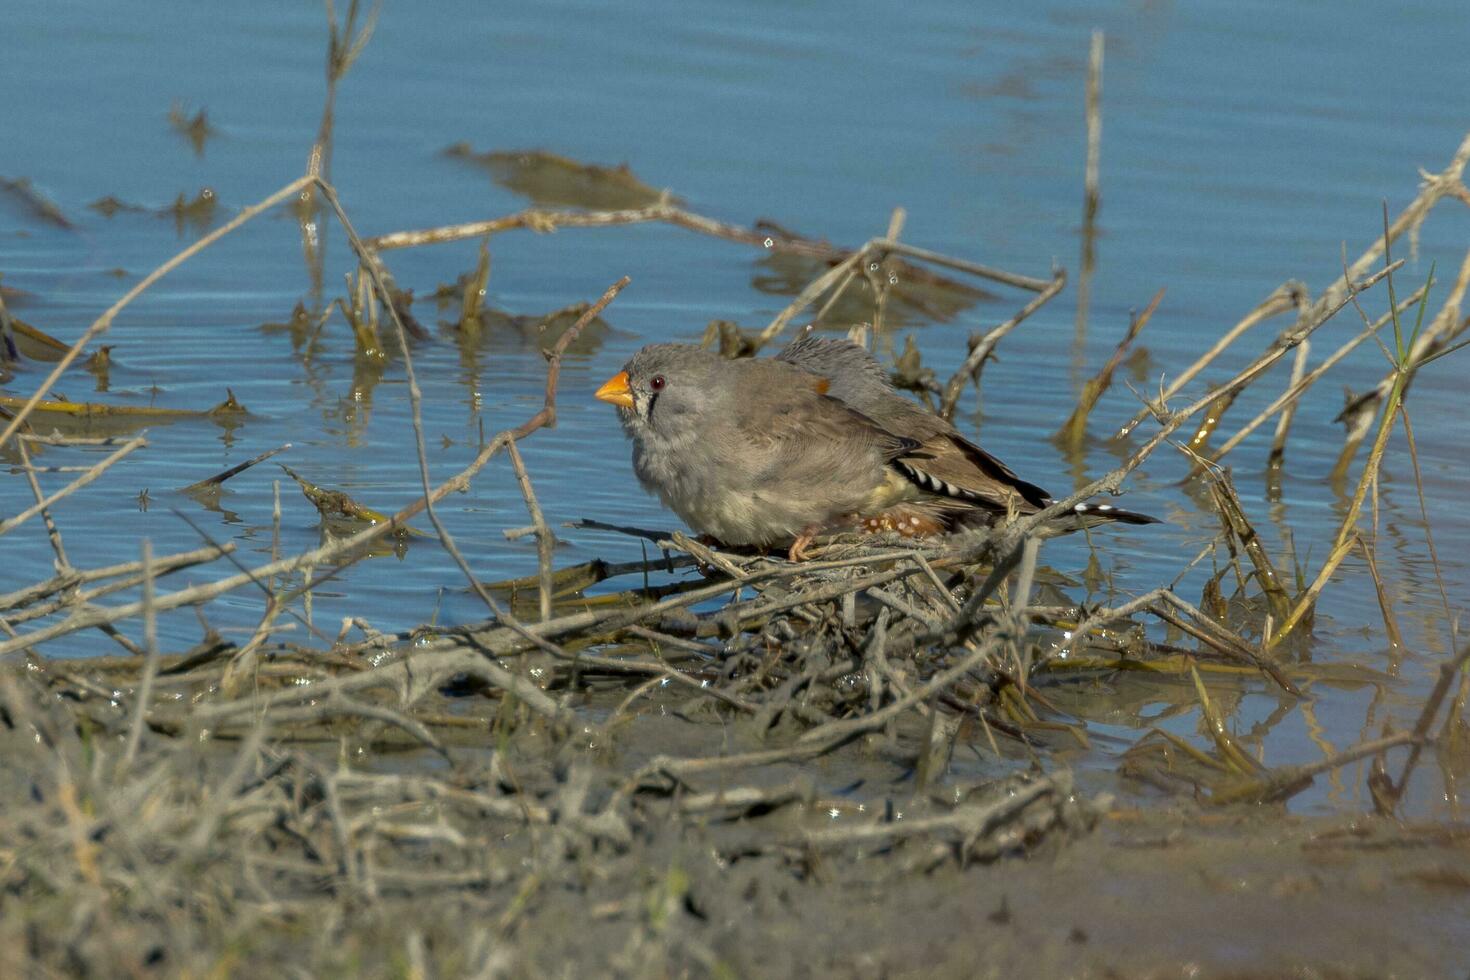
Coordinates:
<point>1091,194</point>
<point>1075,427</point>
<point>53,533</point>
<point>975,361</point>
<point>1298,387</point>
<point>150,668</point>
<point>1284,298</point>
<point>545,540</point>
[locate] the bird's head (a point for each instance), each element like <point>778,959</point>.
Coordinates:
<point>663,391</point>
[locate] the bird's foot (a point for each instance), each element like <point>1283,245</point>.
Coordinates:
<point>799,546</point>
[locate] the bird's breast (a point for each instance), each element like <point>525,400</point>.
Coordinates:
<point>715,494</point>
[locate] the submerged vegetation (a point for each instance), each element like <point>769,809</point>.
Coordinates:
<point>294,804</point>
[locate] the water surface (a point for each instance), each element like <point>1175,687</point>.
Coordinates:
<point>1244,145</point>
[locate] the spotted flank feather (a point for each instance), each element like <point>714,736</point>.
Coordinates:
<point>905,521</point>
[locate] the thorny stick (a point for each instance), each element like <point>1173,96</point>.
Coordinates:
<point>543,219</point>
<point>976,358</point>
<point>144,692</point>
<point>52,531</point>
<point>544,540</point>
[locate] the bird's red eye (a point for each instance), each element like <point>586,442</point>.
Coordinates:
<point>657,384</point>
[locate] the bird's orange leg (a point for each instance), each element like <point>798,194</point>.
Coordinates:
<point>799,546</point>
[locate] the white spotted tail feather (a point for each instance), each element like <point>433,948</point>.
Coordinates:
<point>1084,515</point>
<point>1091,515</point>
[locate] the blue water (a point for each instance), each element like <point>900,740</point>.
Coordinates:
<point>1243,145</point>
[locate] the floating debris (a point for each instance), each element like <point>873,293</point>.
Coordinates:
<point>912,297</point>
<point>35,343</point>
<point>195,213</point>
<point>343,514</point>
<point>219,478</point>
<point>33,203</point>
<point>547,178</point>
<point>109,206</point>
<point>66,414</point>
<point>195,128</point>
<point>730,339</point>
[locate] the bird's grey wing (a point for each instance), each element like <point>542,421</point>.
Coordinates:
<point>852,373</point>
<point>799,437</point>
<point>946,462</point>
<point>943,462</point>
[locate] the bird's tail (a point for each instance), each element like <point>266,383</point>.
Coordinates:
<point>953,516</point>
<point>1088,515</point>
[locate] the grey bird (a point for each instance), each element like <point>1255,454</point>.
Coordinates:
<point>773,451</point>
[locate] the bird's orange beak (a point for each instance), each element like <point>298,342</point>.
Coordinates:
<point>616,391</point>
